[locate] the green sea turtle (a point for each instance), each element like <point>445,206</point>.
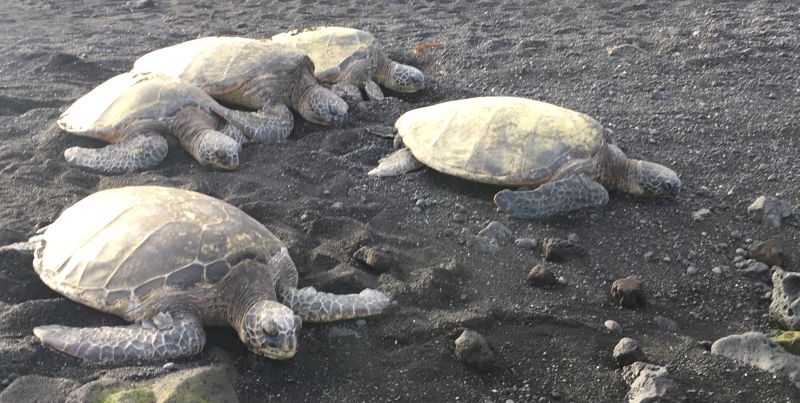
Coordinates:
<point>260,75</point>
<point>133,110</point>
<point>513,141</point>
<point>353,60</point>
<point>172,260</point>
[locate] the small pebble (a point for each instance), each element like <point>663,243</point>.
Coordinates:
<point>691,270</point>
<point>717,270</point>
<point>613,326</point>
<point>701,214</point>
<point>416,209</point>
<point>170,366</point>
<point>361,323</point>
<point>326,192</point>
<point>337,205</point>
<point>526,243</point>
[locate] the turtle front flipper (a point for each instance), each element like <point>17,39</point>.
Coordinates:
<point>196,131</point>
<point>316,306</point>
<point>166,336</point>
<point>134,152</point>
<point>348,91</point>
<point>561,196</point>
<point>396,163</point>
<point>373,90</point>
<point>271,123</point>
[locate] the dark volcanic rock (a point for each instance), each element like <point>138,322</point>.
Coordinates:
<point>36,388</point>
<point>769,252</point>
<point>541,276</point>
<point>559,249</point>
<point>628,292</point>
<point>769,210</point>
<point>378,259</point>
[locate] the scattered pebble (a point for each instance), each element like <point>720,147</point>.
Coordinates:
<point>717,270</point>
<point>497,231</point>
<point>651,383</point>
<point>627,352</point>
<point>628,292</point>
<point>170,366</point>
<point>526,243</point>
<point>701,214</point>
<point>459,218</point>
<point>613,326</point>
<point>337,205</point>
<point>484,244</point>
<point>691,270</point>
<point>541,276</point>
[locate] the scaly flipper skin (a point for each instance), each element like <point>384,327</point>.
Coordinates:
<point>396,163</point>
<point>135,152</point>
<point>348,91</point>
<point>315,306</point>
<point>164,337</point>
<point>271,123</point>
<point>561,196</point>
<point>197,133</point>
<point>373,91</point>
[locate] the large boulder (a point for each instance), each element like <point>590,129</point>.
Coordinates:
<point>758,350</point>
<point>785,306</point>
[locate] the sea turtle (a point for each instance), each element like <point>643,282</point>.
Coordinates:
<point>172,260</point>
<point>133,110</point>
<point>260,75</point>
<point>353,60</point>
<point>513,141</point>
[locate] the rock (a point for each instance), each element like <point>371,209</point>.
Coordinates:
<point>756,271</point>
<point>526,243</point>
<point>769,252</point>
<point>379,259</point>
<point>613,326</point>
<point>627,352</point>
<point>170,366</point>
<point>140,4</point>
<point>716,270</point>
<point>36,388</point>
<point>474,351</point>
<point>497,231</point>
<point>210,383</point>
<point>769,210</point>
<point>558,249</point>
<point>628,292</point>
<point>701,214</point>
<point>789,340</point>
<point>666,324</point>
<point>691,270</point>
<point>785,306</point>
<point>541,276</point>
<point>757,349</point>
<point>484,244</point>
<point>651,383</point>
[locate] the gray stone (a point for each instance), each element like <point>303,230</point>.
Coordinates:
<point>497,231</point>
<point>526,243</point>
<point>769,210</point>
<point>757,349</point>
<point>756,271</point>
<point>769,252</point>
<point>701,214</point>
<point>651,384</point>
<point>666,324</point>
<point>613,326</point>
<point>473,350</point>
<point>785,306</point>
<point>484,244</point>
<point>628,292</point>
<point>36,388</point>
<point>627,352</point>
<point>212,383</point>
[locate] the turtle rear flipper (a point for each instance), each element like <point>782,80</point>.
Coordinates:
<point>164,337</point>
<point>316,306</point>
<point>135,152</point>
<point>396,163</point>
<point>561,196</point>
<point>270,123</point>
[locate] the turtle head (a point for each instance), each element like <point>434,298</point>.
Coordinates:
<point>404,78</point>
<point>269,328</point>
<point>657,180</point>
<point>322,106</point>
<point>217,150</point>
